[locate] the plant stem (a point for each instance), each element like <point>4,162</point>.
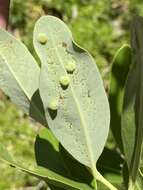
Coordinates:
<point>100,178</point>
<point>94,184</point>
<point>4,13</point>
<point>131,185</point>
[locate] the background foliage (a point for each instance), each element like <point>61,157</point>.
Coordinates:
<point>99,26</point>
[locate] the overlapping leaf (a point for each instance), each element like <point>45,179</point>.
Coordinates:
<point>47,175</point>
<point>50,154</point>
<point>19,75</point>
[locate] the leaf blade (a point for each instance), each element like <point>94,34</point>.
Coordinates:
<point>45,174</point>
<point>132,133</point>
<point>119,71</point>
<point>50,154</point>
<point>19,74</point>
<point>84,151</point>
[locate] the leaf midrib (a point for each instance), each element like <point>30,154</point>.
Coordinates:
<point>88,143</point>
<point>13,74</point>
<point>21,86</point>
<point>139,135</point>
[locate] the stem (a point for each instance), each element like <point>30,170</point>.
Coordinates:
<point>100,178</point>
<point>94,184</point>
<point>131,185</point>
<point>4,13</point>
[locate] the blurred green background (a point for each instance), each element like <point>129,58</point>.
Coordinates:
<point>100,26</point>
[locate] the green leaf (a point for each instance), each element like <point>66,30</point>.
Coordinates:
<point>141,160</point>
<point>120,69</point>
<point>132,122</point>
<point>36,110</point>
<point>47,152</point>
<point>47,175</point>
<point>139,181</point>
<point>50,154</point>
<point>78,171</point>
<point>75,102</point>
<point>19,71</point>
<point>110,161</point>
<point>125,175</point>
<point>51,187</point>
<point>19,74</point>
<point>115,179</point>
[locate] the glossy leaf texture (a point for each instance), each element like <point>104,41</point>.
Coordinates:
<point>119,72</point>
<point>72,92</point>
<point>47,175</point>
<point>19,74</point>
<point>132,120</point>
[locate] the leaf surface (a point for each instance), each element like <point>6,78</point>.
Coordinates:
<point>47,175</point>
<point>120,69</point>
<point>81,122</point>
<point>19,74</point>
<point>139,181</point>
<point>47,152</point>
<point>132,122</point>
<point>50,154</point>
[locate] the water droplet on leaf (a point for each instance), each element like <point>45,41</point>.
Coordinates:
<point>42,38</point>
